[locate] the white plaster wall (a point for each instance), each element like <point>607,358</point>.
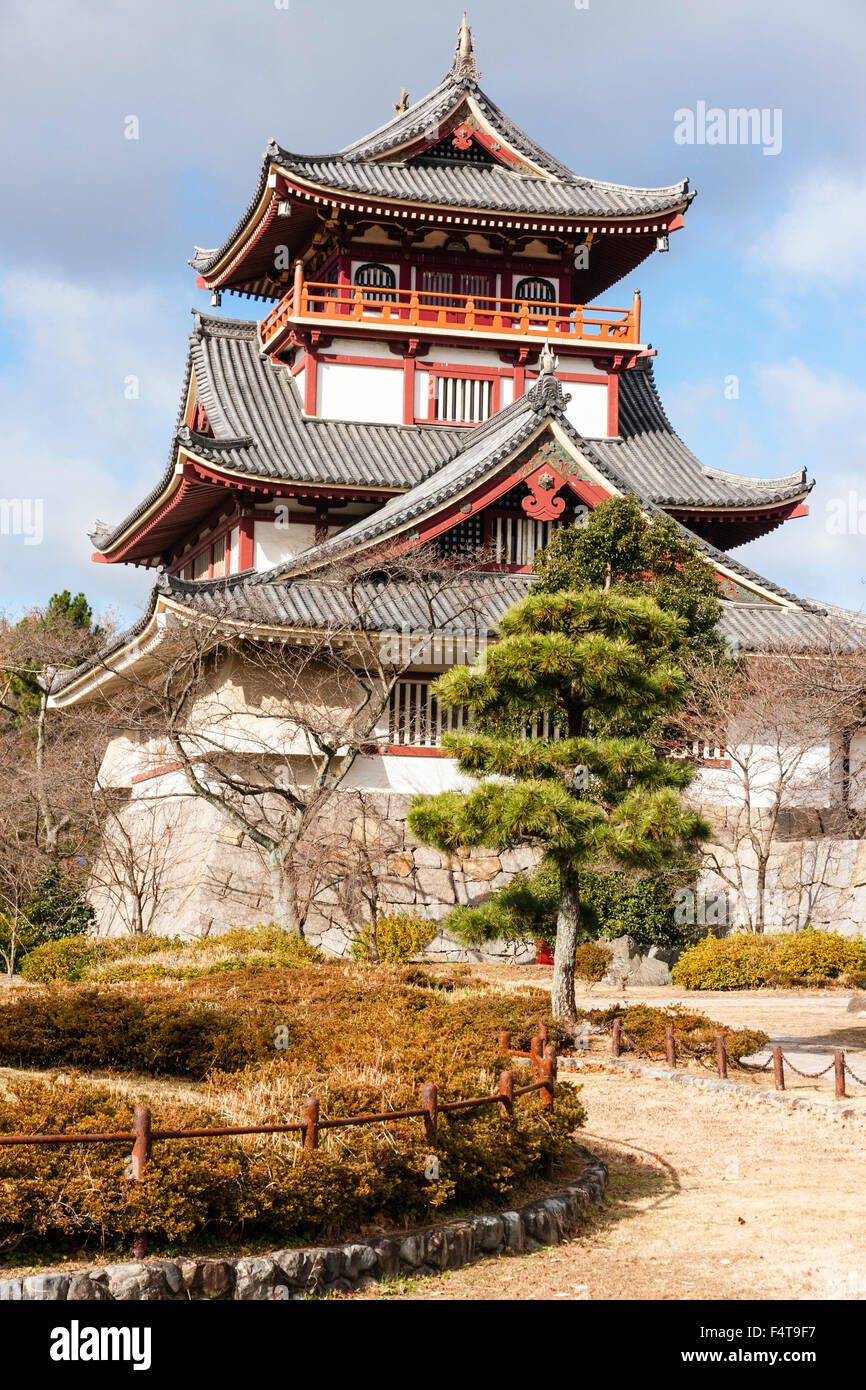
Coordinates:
<point>406,774</point>
<point>587,409</point>
<point>373,395</point>
<point>351,347</point>
<point>275,543</point>
<point>571,362</point>
<point>463,357</point>
<point>814,784</point>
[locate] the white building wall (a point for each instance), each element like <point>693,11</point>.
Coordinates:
<point>372,395</point>
<point>587,409</point>
<point>274,542</point>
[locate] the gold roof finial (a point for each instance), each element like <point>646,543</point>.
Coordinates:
<point>400,106</point>
<point>464,56</point>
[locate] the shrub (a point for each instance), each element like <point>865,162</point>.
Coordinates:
<point>643,1031</point>
<point>62,960</point>
<point>746,961</point>
<point>591,960</point>
<point>56,909</point>
<point>612,904</point>
<point>399,936</point>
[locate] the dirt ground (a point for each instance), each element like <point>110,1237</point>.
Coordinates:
<point>709,1197</point>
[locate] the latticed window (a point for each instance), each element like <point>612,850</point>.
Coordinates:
<point>466,538</point>
<point>536,290</point>
<point>441,286</point>
<point>377,277</point>
<point>461,400</point>
<point>515,539</point>
<point>416,719</point>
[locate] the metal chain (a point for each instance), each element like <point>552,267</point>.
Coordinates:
<point>703,1052</point>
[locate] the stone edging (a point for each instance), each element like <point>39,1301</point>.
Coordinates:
<point>316,1270</point>
<point>714,1083</point>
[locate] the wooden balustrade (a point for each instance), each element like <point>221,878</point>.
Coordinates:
<point>460,313</point>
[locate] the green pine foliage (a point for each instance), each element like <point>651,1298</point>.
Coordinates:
<point>612,904</point>
<point>617,546</point>
<point>601,665</point>
<point>55,910</point>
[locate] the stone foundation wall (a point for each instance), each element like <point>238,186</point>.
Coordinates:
<point>217,879</point>
<point>295,1274</point>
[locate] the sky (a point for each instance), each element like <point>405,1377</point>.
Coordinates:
<point>756,312</point>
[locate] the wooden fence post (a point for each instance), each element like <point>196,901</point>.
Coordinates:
<point>778,1069</point>
<point>548,1075</point>
<point>505,1042</point>
<point>310,1121</point>
<point>616,1038</point>
<point>430,1106</point>
<point>141,1146</point>
<point>670,1045</point>
<point>535,1058</point>
<point>506,1090</point>
<point>542,1035</point>
<point>839,1074</point>
<point>721,1056</point>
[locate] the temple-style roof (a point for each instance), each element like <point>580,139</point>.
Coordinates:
<point>266,602</point>
<point>490,445</point>
<point>402,162</point>
<point>261,433</point>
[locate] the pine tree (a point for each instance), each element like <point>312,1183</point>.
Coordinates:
<point>597,667</point>
<point>617,546</point>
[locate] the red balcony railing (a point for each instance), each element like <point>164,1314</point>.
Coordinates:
<point>432,309</point>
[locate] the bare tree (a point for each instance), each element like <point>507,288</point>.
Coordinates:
<point>774,717</point>
<point>134,864</point>
<point>266,722</point>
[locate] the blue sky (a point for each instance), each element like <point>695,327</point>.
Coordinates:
<point>765,283</point>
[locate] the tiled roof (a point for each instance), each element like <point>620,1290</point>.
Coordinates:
<point>360,169</point>
<point>490,443</point>
<point>658,462</point>
<point>482,186</point>
<point>255,412</point>
<point>474,605</point>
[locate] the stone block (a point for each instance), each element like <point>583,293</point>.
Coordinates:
<point>515,1234</point>
<point>135,1282</point>
<point>427,858</point>
<point>387,1254</point>
<point>83,1289</point>
<point>436,884</point>
<point>402,864</point>
<point>294,1266</point>
<point>45,1287</point>
<point>255,1276</point>
<point>482,869</point>
<point>411,1251</point>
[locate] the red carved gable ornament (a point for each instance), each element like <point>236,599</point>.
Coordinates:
<point>462,138</point>
<point>544,484</point>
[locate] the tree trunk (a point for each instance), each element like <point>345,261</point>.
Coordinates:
<point>760,890</point>
<point>567,935</point>
<point>281,893</point>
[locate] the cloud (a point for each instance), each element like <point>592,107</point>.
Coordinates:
<point>814,419</point>
<point>76,436</point>
<point>819,237</point>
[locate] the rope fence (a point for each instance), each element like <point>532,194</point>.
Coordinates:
<point>778,1059</point>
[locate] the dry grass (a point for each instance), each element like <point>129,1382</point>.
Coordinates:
<point>709,1197</point>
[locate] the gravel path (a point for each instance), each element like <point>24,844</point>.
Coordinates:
<point>709,1197</point>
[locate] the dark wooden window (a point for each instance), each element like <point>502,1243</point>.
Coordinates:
<point>536,290</point>
<point>378,277</point>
